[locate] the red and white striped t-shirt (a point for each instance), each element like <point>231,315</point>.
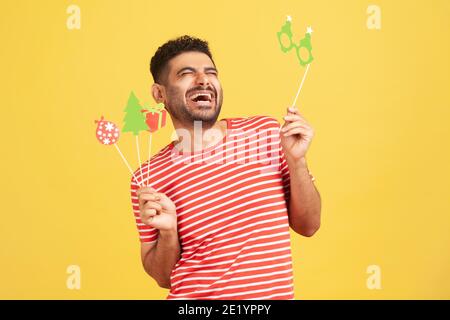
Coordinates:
<point>231,201</point>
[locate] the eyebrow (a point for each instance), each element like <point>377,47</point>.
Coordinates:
<point>193,70</point>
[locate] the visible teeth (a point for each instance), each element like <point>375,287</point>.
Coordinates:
<point>194,96</point>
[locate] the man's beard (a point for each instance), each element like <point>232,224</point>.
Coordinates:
<point>179,110</point>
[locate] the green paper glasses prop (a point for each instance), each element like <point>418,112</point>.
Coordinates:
<point>304,43</point>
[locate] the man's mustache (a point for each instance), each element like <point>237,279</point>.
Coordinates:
<point>198,88</point>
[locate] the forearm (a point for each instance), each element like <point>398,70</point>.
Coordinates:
<point>161,259</point>
<point>305,203</point>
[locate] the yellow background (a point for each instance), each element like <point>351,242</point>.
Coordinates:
<point>378,100</point>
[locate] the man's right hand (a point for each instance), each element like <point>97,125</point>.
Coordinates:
<point>156,209</point>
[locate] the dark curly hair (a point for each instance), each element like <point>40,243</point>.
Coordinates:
<point>172,49</point>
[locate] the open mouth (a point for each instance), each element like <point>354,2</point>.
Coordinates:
<point>204,98</point>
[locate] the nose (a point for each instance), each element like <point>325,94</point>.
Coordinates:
<point>202,79</point>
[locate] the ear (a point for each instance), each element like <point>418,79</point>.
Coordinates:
<point>159,93</point>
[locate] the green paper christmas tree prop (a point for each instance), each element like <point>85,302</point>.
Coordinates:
<point>134,120</point>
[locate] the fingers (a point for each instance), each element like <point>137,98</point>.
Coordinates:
<point>295,116</point>
<point>143,198</point>
<point>147,194</point>
<point>148,199</point>
<point>296,128</point>
<point>299,130</point>
<point>152,205</point>
<point>149,210</point>
<point>292,110</point>
<point>293,125</point>
<point>145,190</point>
<point>147,216</point>
<point>149,191</point>
<point>290,118</point>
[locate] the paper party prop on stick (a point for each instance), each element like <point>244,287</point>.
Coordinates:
<point>134,121</point>
<point>155,119</point>
<point>304,43</point>
<point>108,134</point>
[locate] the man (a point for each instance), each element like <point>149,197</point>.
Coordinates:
<point>214,219</point>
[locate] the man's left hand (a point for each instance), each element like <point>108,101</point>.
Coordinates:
<point>296,135</point>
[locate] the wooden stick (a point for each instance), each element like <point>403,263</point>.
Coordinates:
<point>127,164</point>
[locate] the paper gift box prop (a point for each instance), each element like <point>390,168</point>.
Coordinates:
<point>155,117</point>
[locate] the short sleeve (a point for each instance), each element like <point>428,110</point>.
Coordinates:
<point>274,127</point>
<point>147,234</point>
<point>284,171</point>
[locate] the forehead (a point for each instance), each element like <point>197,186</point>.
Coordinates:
<point>197,60</point>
